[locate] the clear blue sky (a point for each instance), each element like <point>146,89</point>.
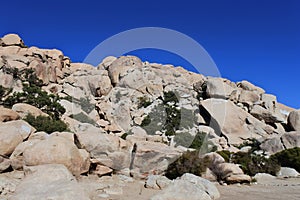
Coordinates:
<point>256,40</point>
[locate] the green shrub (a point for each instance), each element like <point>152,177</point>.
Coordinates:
<point>289,158</point>
<point>252,164</point>
<point>189,162</point>
<point>83,118</point>
<point>46,124</point>
<point>225,154</point>
<point>32,94</point>
<point>252,142</point>
<point>170,97</point>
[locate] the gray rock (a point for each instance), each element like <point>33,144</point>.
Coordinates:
<point>291,139</point>
<point>287,172</point>
<point>48,182</point>
<point>157,182</point>
<point>272,145</point>
<point>294,120</point>
<point>181,189</point>
<point>13,133</point>
<point>202,183</point>
<point>218,88</point>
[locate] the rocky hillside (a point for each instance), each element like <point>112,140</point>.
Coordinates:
<point>133,119</point>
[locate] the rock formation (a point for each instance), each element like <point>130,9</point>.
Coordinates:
<point>125,117</point>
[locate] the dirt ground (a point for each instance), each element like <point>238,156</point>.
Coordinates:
<point>278,189</point>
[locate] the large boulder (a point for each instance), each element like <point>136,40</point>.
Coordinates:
<point>263,114</point>
<point>232,121</point>
<point>11,40</point>
<point>13,133</point>
<point>189,186</point>
<point>230,173</point>
<point>246,85</point>
<point>153,157</point>
<point>121,65</point>
<point>294,120</point>
<point>218,88</point>
<point>8,115</point>
<point>272,145</point>
<point>24,109</point>
<point>52,181</point>
<point>109,150</point>
<point>56,149</point>
<point>291,139</point>
<point>286,172</point>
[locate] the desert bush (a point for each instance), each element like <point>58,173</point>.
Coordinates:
<point>189,162</point>
<point>46,124</point>
<point>225,154</point>
<point>289,158</point>
<point>170,97</point>
<point>32,94</point>
<point>252,164</point>
<point>252,142</point>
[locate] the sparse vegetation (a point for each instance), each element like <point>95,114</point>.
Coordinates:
<point>46,124</point>
<point>288,158</point>
<point>32,94</point>
<point>189,162</point>
<point>226,155</point>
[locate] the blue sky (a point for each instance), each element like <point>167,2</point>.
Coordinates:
<point>255,40</point>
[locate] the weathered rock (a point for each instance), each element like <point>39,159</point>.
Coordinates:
<point>121,65</point>
<point>8,115</point>
<point>16,158</point>
<point>189,186</point>
<point>153,157</point>
<point>238,178</point>
<point>12,40</point>
<point>13,133</point>
<point>157,182</point>
<point>102,170</point>
<point>4,164</point>
<point>248,97</point>
<point>294,120</point>
<point>231,121</point>
<point>231,173</point>
<point>50,181</point>
<point>24,109</point>
<point>286,172</point>
<point>206,185</point>
<point>291,139</point>
<point>109,150</point>
<point>56,150</point>
<point>218,88</point>
<point>106,62</point>
<point>272,145</point>
<point>8,184</point>
<point>249,86</point>
<point>263,178</point>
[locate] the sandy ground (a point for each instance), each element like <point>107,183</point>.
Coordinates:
<point>278,189</point>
